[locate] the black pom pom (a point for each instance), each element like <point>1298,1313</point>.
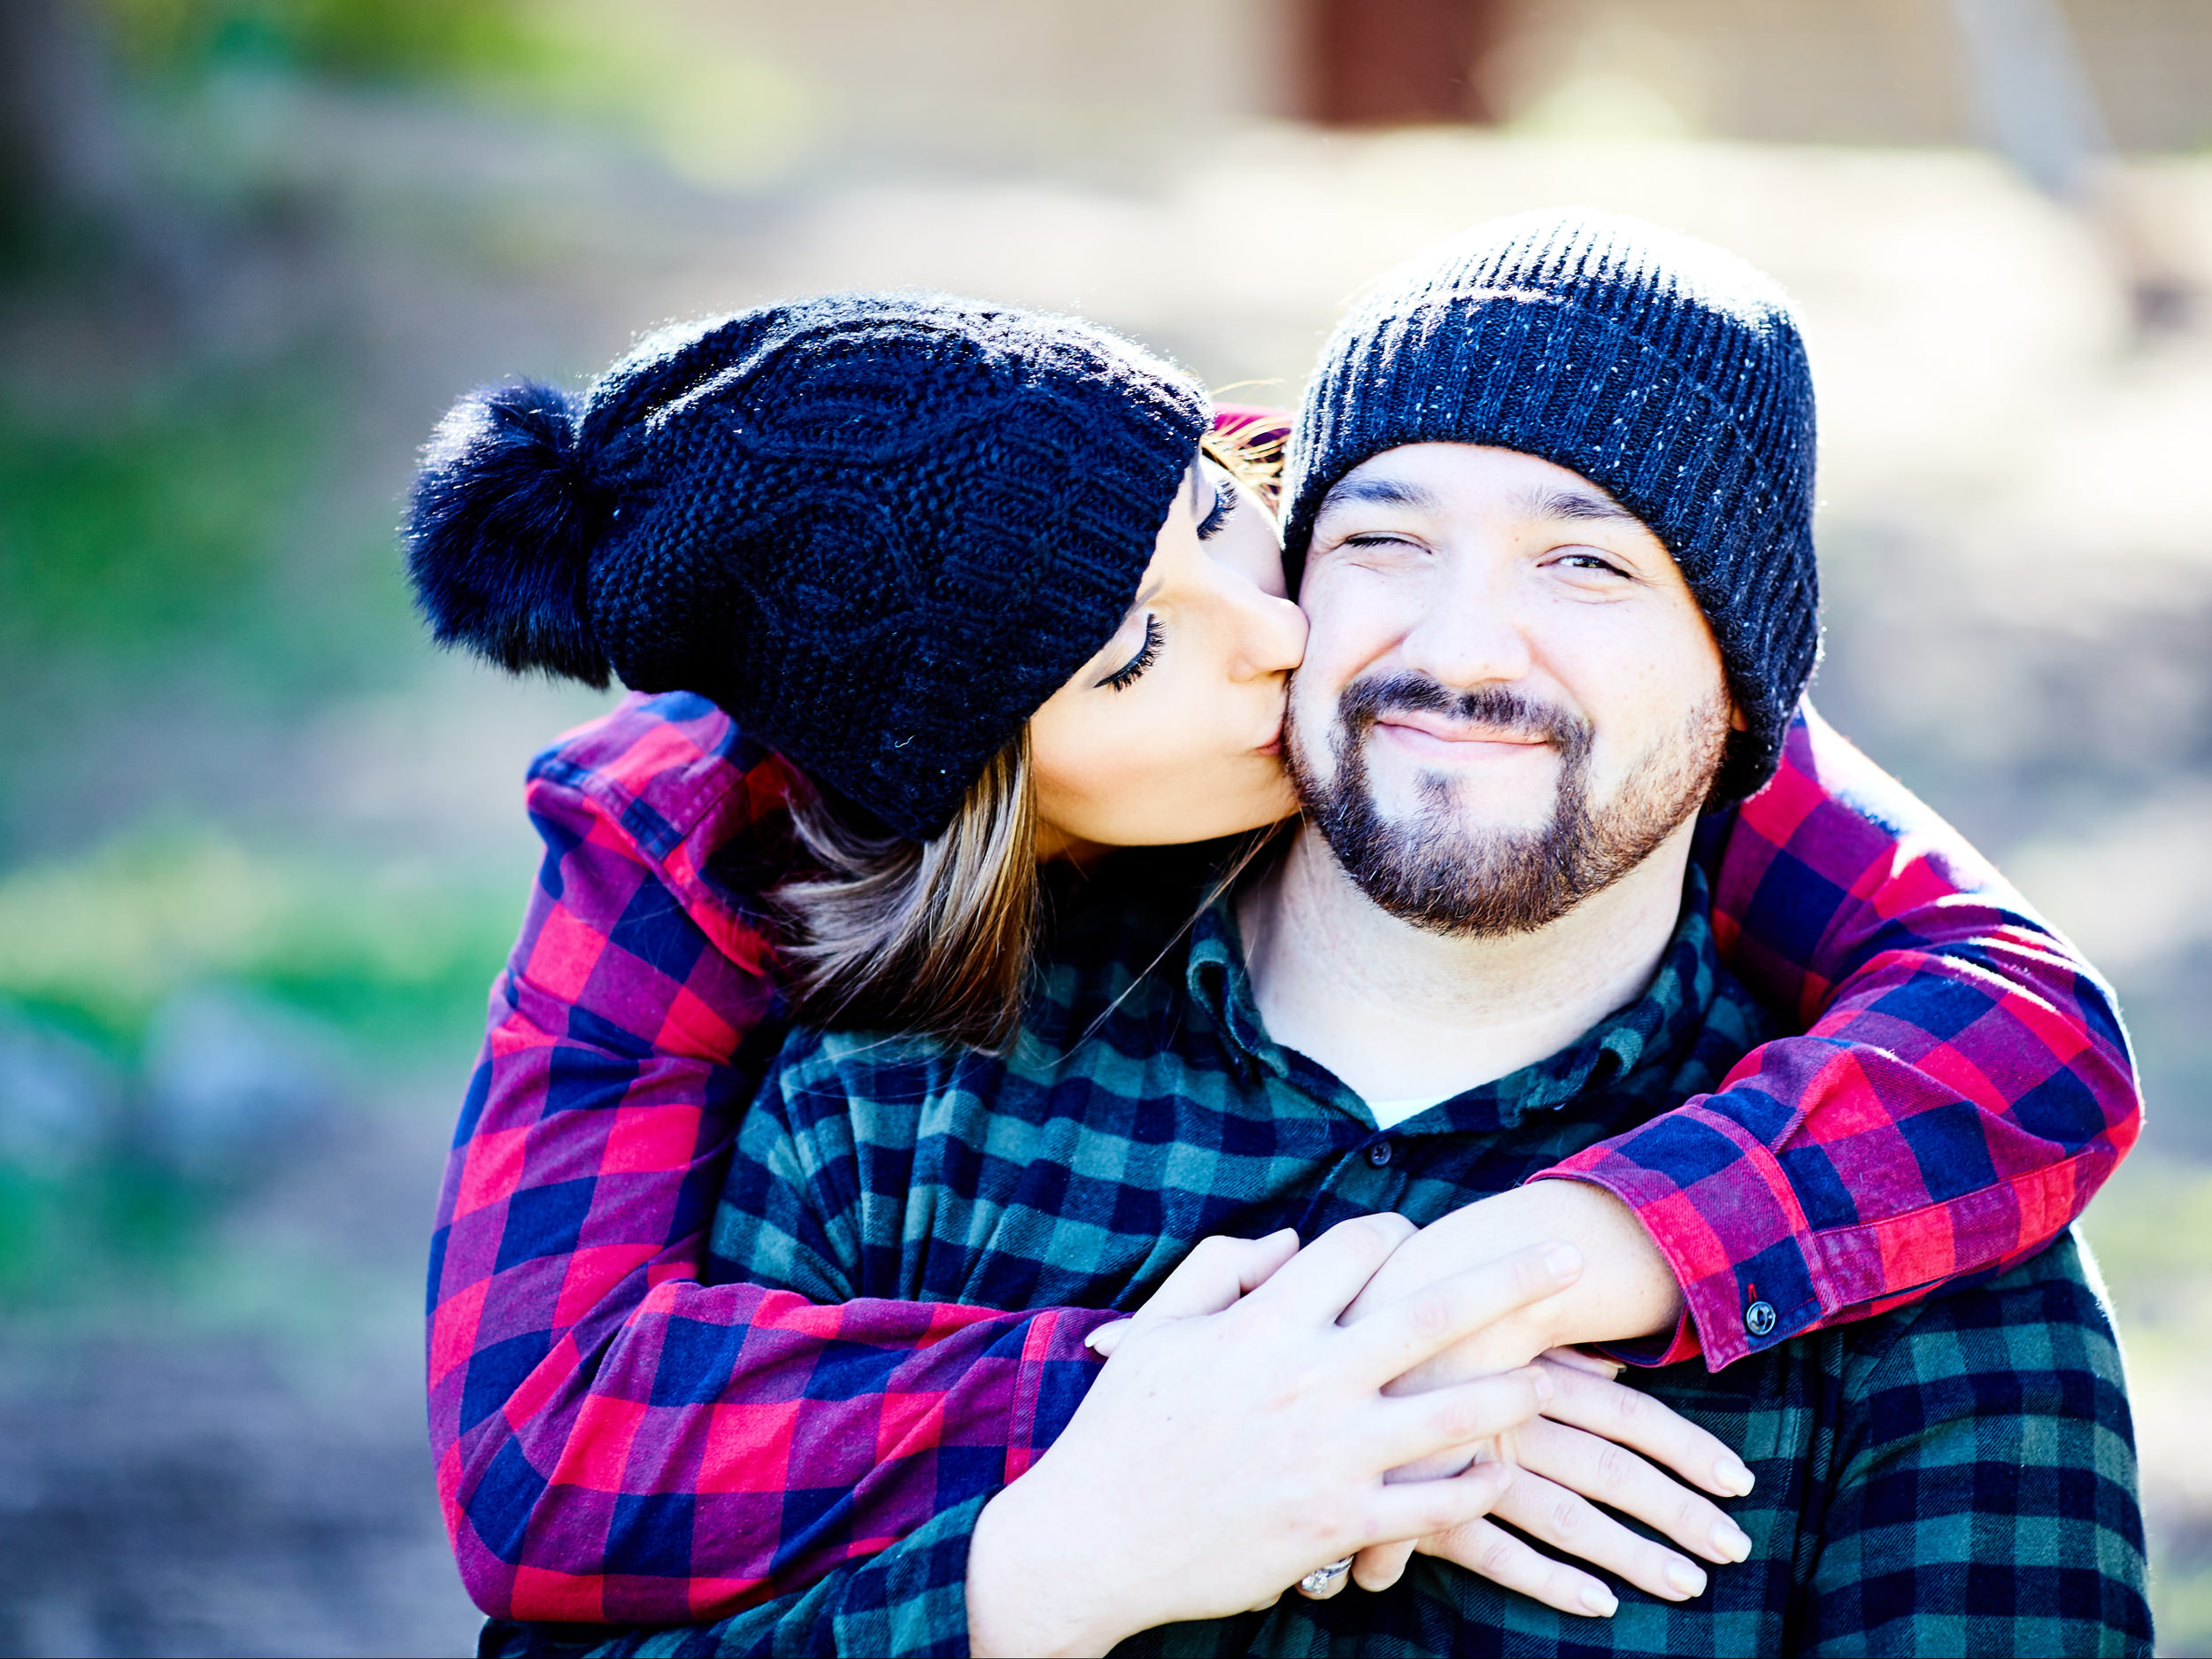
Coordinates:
<point>499,530</point>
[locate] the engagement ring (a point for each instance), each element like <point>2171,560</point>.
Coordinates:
<point>1314,1582</point>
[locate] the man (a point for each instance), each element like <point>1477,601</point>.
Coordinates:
<point>1552,500</point>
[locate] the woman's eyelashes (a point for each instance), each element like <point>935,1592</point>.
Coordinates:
<point>1125,677</point>
<point>1217,515</point>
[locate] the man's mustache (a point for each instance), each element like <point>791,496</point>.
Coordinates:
<point>1495,707</point>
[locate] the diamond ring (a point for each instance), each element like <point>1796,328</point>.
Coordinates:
<point>1314,1582</point>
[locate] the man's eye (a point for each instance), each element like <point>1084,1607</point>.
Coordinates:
<point>1592,561</point>
<point>1148,653</point>
<point>1217,515</point>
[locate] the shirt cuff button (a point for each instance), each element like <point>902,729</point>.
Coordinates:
<point>1758,1318</point>
<point>1379,1153</point>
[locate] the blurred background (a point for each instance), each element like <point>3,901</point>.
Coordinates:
<point>261,850</point>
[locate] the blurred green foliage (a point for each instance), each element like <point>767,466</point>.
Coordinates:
<point>141,530</point>
<point>148,541</point>
<point>65,1237</point>
<point>168,546</point>
<point>375,39</point>
<point>2152,1230</point>
<point>714,111</point>
<point>391,963</point>
<point>395,956</point>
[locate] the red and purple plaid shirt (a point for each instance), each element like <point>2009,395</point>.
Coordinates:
<point>1963,1088</point>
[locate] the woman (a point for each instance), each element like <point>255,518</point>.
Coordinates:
<point>1002,482</point>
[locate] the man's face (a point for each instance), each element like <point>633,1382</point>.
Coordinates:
<point>1510,695</point>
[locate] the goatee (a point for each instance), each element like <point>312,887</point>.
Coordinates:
<point>1439,873</point>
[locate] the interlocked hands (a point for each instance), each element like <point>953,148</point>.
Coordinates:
<point>1245,1432</point>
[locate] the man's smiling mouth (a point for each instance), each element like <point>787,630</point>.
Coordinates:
<point>1439,736</point>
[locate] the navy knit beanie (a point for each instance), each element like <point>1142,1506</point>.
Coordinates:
<point>1654,365</point>
<point>878,530</point>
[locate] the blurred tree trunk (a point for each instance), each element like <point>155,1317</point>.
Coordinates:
<point>2040,112</point>
<point>1378,63</point>
<point>62,161</point>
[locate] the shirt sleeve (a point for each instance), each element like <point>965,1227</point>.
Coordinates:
<point>615,1440</point>
<point>1962,1090</point>
<point>909,1598</point>
<point>1987,1497</point>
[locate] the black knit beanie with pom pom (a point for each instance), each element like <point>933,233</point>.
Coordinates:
<point>878,530</point>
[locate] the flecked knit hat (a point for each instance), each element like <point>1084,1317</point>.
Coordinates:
<point>1654,365</point>
<point>878,530</point>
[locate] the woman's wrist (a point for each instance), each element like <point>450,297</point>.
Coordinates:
<point>1627,1289</point>
<point>1029,1591</point>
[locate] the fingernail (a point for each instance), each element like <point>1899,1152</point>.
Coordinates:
<point>1731,1475</point>
<point>1686,1579</point>
<point>1542,1383</point>
<point>1731,1540</point>
<point>1600,1601</point>
<point>1563,1259</point>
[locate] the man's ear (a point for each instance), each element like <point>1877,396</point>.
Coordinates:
<point>1736,721</point>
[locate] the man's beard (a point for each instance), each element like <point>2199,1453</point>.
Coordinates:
<point>1437,874</point>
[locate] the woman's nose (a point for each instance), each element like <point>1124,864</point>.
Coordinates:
<point>1276,635</point>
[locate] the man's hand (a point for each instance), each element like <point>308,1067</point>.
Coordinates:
<point>1222,1455</point>
<point>1585,1447</point>
<point>1628,1291</point>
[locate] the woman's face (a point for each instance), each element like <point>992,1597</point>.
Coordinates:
<point>1172,732</point>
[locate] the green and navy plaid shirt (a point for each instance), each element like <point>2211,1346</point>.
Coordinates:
<point>1955,1477</point>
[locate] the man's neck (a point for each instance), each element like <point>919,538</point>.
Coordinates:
<point>1399,1013</point>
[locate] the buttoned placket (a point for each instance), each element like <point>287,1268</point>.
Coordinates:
<point>1366,1174</point>
<point>1374,1170</point>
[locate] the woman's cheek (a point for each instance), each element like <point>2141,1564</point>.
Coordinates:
<point>1149,785</point>
<point>1105,781</point>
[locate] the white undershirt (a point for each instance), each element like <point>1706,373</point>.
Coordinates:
<point>1391,1114</point>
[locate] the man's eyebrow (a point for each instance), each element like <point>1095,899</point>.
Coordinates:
<point>1552,502</point>
<point>1389,493</point>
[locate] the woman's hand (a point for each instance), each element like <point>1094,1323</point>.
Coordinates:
<point>1222,1455</point>
<point>1628,1290</point>
<point>1586,1446</point>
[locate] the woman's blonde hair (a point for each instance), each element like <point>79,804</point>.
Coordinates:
<point>937,937</point>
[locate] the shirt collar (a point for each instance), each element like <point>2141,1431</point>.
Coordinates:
<point>1652,1032</point>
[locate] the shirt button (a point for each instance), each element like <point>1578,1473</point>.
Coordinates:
<point>1379,1153</point>
<point>1758,1318</point>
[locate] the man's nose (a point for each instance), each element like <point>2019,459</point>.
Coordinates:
<point>1467,633</point>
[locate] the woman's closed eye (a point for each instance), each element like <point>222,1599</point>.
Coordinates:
<point>1217,515</point>
<point>1126,675</point>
